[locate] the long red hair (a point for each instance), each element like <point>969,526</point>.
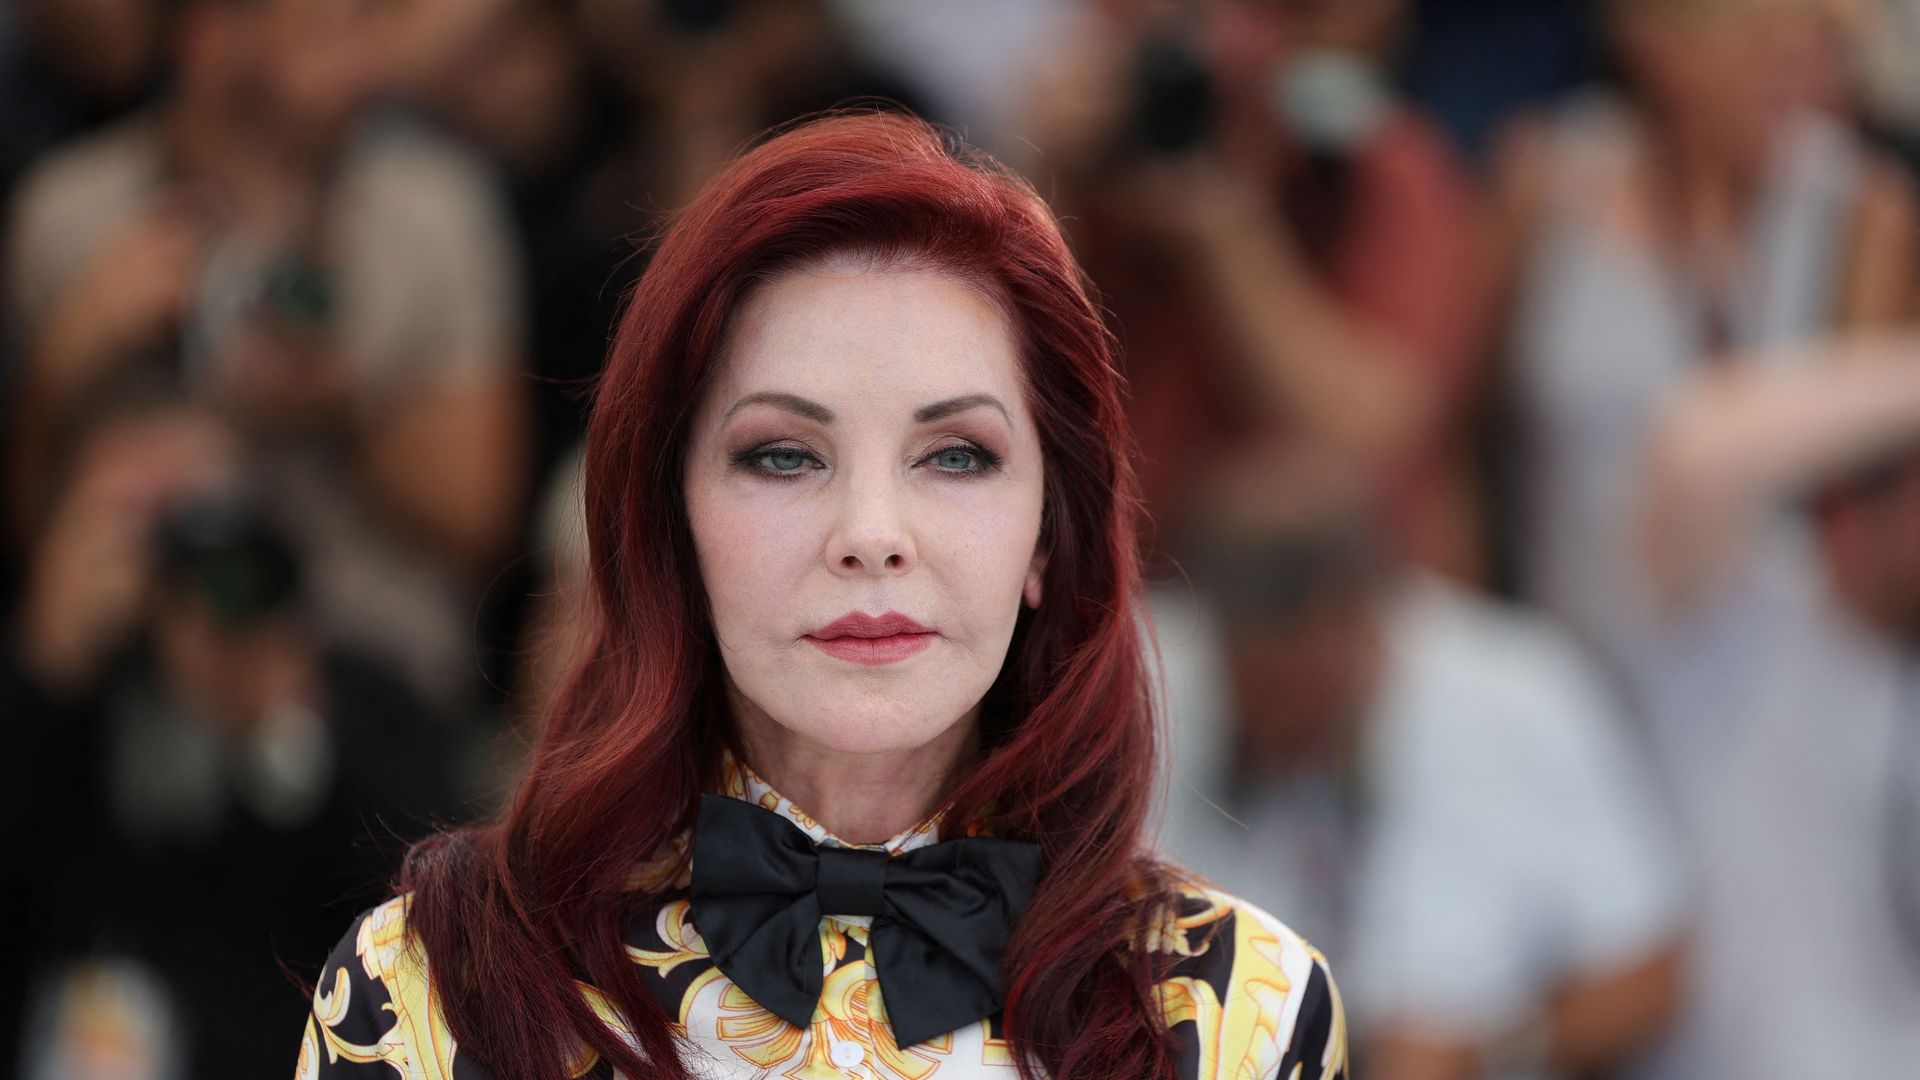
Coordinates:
<point>512,913</point>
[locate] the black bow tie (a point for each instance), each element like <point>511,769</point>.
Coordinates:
<point>942,915</point>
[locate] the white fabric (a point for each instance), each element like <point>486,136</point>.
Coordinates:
<point>976,61</point>
<point>1505,838</point>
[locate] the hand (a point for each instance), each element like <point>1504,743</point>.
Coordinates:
<point>277,382</point>
<point>89,577</point>
<point>134,289</point>
<point>1202,203</point>
<point>91,570</point>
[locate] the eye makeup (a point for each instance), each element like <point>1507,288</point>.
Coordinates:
<point>782,462</point>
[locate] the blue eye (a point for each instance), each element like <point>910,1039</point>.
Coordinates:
<point>965,459</point>
<point>954,458</point>
<point>789,462</point>
<point>785,460</point>
<point>776,462</point>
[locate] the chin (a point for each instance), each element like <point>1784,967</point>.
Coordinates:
<point>870,724</point>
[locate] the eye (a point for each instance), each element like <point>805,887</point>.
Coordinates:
<point>963,458</point>
<point>777,462</point>
<point>784,460</point>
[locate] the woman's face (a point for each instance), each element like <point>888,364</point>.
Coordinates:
<point>865,450</point>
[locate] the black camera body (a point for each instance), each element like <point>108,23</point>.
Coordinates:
<point>223,549</point>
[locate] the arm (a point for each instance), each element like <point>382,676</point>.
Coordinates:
<point>128,296</point>
<point>1880,283</point>
<point>440,428</point>
<point>1733,442</point>
<point>446,461</point>
<point>1592,1023</point>
<point>1599,1019</point>
<point>1298,352</point>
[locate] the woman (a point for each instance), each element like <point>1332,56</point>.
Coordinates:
<point>861,517</point>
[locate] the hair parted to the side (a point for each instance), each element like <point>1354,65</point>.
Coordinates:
<point>512,913</point>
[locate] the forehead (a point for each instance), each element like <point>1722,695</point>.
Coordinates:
<point>841,331</point>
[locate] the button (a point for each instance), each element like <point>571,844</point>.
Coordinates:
<point>847,1054</point>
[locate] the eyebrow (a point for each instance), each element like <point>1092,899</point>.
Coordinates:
<point>819,413</point>
<point>793,403</point>
<point>940,410</point>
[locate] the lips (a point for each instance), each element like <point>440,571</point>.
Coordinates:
<point>872,639</point>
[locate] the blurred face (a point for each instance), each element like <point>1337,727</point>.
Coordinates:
<point>323,59</point>
<point>864,486</point>
<point>1301,689</point>
<point>1726,73</point>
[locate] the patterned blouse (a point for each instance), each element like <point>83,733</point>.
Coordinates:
<point>1247,998</point>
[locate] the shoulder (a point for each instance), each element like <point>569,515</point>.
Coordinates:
<point>67,202</point>
<point>93,166</point>
<point>1483,693</point>
<point>1509,663</point>
<point>403,174</point>
<point>373,1007</point>
<point>1261,1000</point>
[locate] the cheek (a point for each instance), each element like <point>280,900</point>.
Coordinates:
<point>753,553</point>
<point>982,548</point>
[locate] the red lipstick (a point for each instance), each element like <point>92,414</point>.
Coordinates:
<point>872,639</point>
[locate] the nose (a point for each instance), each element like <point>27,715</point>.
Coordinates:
<point>871,535</point>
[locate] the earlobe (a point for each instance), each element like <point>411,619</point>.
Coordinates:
<point>1031,591</point>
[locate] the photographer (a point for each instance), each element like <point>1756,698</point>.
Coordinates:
<point>1440,786</point>
<point>198,782</point>
<point>1288,252</point>
<point>341,290</point>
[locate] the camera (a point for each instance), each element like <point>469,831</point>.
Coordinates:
<point>1174,98</point>
<point>222,548</point>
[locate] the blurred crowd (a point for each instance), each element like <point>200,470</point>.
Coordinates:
<point>1530,399</point>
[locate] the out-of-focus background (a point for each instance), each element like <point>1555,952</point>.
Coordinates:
<point>1530,392</point>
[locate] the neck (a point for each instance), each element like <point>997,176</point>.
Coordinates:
<point>862,798</point>
<point>200,140</point>
<point>1709,191</point>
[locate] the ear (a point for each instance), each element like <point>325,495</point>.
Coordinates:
<point>1035,570</point>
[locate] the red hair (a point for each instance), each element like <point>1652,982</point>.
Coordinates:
<point>512,913</point>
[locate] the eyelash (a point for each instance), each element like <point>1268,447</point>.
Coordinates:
<point>986,461</point>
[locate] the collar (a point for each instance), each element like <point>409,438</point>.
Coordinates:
<point>738,780</point>
<point>670,869</point>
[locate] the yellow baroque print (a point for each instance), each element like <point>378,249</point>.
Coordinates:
<point>418,1044</point>
<point>329,1010</point>
<point>1239,1039</point>
<point>756,1035</point>
<point>683,941</point>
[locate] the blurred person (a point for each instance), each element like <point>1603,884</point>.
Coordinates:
<point>1288,252</point>
<point>65,68</point>
<point>705,76</point>
<point>1438,786</point>
<point>522,88</point>
<point>344,290</point>
<point>974,64</point>
<point>198,783</point>
<point>1698,266</point>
